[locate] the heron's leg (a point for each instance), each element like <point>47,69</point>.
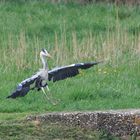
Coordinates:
<point>48,88</point>
<point>48,98</point>
<point>45,93</point>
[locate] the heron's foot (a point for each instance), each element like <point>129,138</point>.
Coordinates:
<point>55,102</point>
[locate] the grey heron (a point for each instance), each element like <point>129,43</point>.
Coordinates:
<point>40,79</point>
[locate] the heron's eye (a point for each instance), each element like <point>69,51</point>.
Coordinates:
<point>44,50</point>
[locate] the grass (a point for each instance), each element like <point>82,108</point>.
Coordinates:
<point>72,33</point>
<point>18,131</point>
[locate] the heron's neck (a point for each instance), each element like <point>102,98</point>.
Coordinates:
<point>44,62</point>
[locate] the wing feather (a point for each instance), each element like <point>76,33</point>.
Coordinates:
<point>61,73</point>
<point>24,87</point>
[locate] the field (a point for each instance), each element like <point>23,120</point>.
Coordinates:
<point>72,33</point>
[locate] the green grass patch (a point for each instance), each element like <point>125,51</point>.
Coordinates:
<point>72,33</point>
<point>26,130</point>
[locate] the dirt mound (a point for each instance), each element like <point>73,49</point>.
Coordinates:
<point>118,123</point>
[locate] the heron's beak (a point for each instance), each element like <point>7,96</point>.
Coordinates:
<point>48,55</point>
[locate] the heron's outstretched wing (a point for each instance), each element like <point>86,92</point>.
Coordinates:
<point>61,73</point>
<point>24,87</point>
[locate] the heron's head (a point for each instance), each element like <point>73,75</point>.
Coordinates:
<point>44,53</point>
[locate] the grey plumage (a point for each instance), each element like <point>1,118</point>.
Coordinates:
<point>61,73</point>
<point>39,80</point>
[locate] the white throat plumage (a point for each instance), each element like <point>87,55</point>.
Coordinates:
<point>44,61</point>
